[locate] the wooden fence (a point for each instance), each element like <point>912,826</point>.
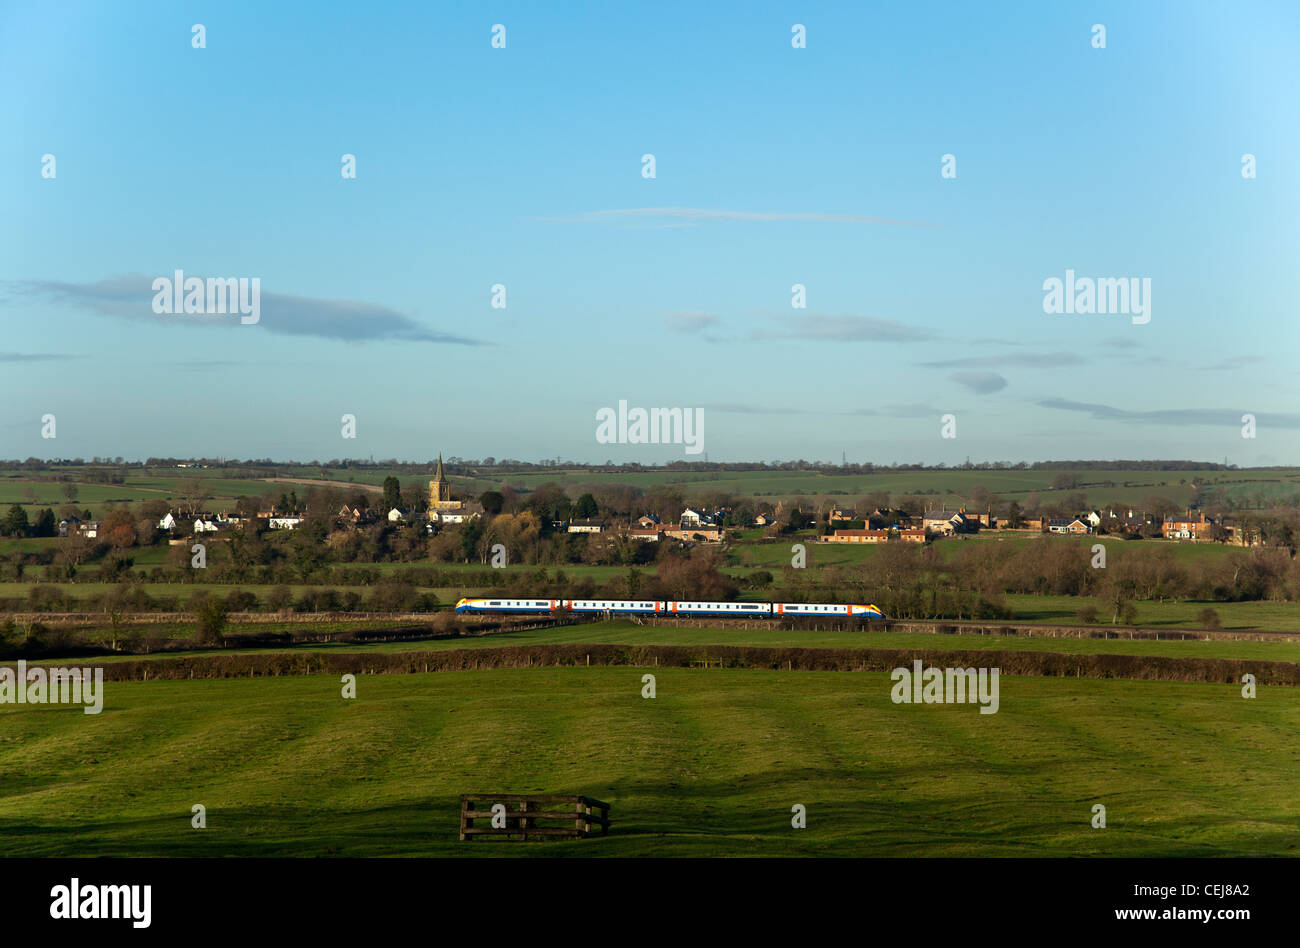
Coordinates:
<point>523,811</point>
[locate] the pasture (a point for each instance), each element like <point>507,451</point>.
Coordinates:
<point>1250,487</point>
<point>709,767</point>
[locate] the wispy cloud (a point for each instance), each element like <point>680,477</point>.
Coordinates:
<point>736,408</point>
<point>1232,362</point>
<point>1028,360</point>
<point>696,215</point>
<point>982,383</point>
<point>131,297</point>
<point>844,329</point>
<point>690,321</point>
<point>34,357</point>
<point>1227,417</point>
<point>885,411</point>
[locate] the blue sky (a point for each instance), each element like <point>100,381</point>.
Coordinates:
<point>774,166</point>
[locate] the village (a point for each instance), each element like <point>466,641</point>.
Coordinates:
<point>833,525</point>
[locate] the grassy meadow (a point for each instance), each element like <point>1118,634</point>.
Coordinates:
<point>711,766</point>
<point>1102,487</point>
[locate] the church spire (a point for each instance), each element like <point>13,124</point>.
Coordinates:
<point>440,490</point>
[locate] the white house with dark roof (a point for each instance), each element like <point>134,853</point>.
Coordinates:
<point>946,522</point>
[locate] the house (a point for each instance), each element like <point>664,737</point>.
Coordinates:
<point>1187,527</point>
<point>1078,526</point>
<point>283,521</point>
<point>585,526</point>
<point>354,515</point>
<point>912,536</point>
<point>708,532</point>
<point>397,515</point>
<point>465,511</point>
<point>887,518</point>
<point>204,525</point>
<point>858,536</point>
<point>649,534</point>
<point>1125,521</point>
<point>1058,525</point>
<point>765,519</point>
<point>1094,519</point>
<point>840,514</point>
<point>985,519</point>
<point>168,522</point>
<point>946,522</point>
<point>70,525</point>
<point>89,529</point>
<point>1237,533</point>
<point>647,522</point>
<point>693,518</point>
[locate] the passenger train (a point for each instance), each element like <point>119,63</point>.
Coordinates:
<point>661,607</point>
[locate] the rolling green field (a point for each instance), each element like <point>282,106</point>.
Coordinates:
<point>711,766</point>
<point>1062,610</point>
<point>1102,487</point>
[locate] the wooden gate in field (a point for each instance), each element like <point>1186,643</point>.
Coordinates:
<point>528,816</point>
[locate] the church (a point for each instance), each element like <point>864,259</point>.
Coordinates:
<point>443,508</point>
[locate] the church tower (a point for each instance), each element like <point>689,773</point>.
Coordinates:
<point>440,491</point>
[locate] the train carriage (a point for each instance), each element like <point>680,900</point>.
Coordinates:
<point>719,608</point>
<point>620,606</point>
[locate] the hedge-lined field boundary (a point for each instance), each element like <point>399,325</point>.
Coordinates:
<point>969,627</point>
<point>1041,664</point>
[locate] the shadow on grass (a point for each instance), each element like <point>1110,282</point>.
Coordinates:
<point>903,814</point>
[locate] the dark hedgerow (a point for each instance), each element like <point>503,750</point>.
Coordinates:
<point>1041,664</point>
